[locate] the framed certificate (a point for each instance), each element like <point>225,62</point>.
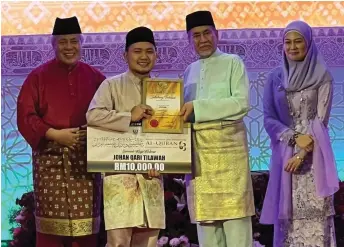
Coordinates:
<point>137,152</point>
<point>166,97</point>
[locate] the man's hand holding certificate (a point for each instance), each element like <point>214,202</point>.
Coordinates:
<point>140,112</point>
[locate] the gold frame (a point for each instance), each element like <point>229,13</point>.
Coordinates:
<point>144,93</point>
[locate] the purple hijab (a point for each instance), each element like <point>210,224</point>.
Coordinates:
<point>295,76</point>
<point>309,73</point>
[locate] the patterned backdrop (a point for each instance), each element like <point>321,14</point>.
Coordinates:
<point>260,49</point>
<point>35,17</point>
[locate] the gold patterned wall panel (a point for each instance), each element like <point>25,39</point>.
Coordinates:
<point>37,17</point>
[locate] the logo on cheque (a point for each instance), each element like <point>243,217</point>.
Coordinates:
<point>182,145</point>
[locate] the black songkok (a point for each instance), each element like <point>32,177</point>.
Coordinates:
<point>199,18</point>
<point>139,34</point>
<point>66,26</point>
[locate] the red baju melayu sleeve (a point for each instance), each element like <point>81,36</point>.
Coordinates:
<point>30,124</point>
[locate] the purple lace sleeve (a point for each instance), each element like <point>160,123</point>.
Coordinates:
<point>325,95</point>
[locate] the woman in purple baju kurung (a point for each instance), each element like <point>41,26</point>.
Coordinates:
<point>303,175</point>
